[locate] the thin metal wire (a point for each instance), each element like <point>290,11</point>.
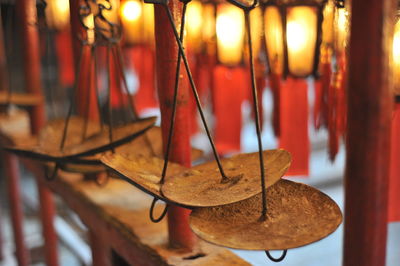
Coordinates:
<point>196,96</point>
<point>151,212</point>
<point>281,258</point>
<point>110,122</point>
<point>175,100</point>
<point>256,112</point>
<point>72,100</point>
<point>101,119</point>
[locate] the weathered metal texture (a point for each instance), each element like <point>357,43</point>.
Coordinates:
<point>119,215</point>
<point>368,136</point>
<point>180,234</point>
<point>297,215</point>
<point>97,143</point>
<point>13,187</point>
<point>203,186</point>
<point>26,12</point>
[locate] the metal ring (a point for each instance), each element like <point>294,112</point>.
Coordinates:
<point>281,258</point>
<point>157,220</point>
<point>53,174</point>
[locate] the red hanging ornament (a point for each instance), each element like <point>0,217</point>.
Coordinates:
<point>65,58</point>
<point>394,177</point>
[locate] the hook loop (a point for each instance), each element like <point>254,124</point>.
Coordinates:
<point>281,258</point>
<point>151,213</point>
<point>53,174</point>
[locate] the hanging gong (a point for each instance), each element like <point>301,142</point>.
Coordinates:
<point>202,185</point>
<point>96,143</point>
<point>297,215</point>
<point>144,172</point>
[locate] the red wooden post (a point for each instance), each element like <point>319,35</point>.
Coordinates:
<point>180,234</point>
<point>368,139</point>
<point>101,253</point>
<point>13,186</point>
<point>27,16</point>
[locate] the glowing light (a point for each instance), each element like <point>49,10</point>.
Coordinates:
<point>194,25</point>
<point>274,38</point>
<point>57,14</point>
<point>396,56</point>
<point>131,10</point>
<point>230,34</point>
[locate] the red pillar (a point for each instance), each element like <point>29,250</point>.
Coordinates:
<point>368,139</point>
<point>180,234</point>
<point>14,198</point>
<point>27,16</point>
<point>101,252</point>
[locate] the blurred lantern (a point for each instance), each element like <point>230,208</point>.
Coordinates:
<point>341,28</point>
<point>396,57</point>
<point>194,26</point>
<point>230,34</point>
<point>293,35</point>
<point>57,14</point>
<point>137,22</point>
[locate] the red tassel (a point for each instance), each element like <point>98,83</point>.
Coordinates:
<point>394,177</point>
<point>65,58</point>
<point>143,63</point>
<point>229,92</point>
<point>294,125</point>
<point>275,84</point>
<point>333,138</point>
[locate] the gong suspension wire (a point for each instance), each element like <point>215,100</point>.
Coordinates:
<point>72,98</point>
<point>257,115</point>
<point>194,90</point>
<point>88,94</point>
<point>94,58</point>
<point>109,111</point>
<point>175,100</point>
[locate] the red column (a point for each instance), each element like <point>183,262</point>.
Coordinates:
<point>368,139</point>
<point>13,186</point>
<point>27,13</point>
<point>180,234</point>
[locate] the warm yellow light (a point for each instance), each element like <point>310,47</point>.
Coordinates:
<point>194,25</point>
<point>327,23</point>
<point>137,22</point>
<point>256,29</point>
<point>131,11</point>
<point>341,29</point>
<point>88,21</point>
<point>274,38</point>
<point>112,14</point>
<point>396,57</point>
<point>230,34</point>
<point>57,14</point>
<point>301,36</point>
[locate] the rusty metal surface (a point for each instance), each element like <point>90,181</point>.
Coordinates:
<point>297,215</point>
<point>141,171</point>
<point>201,185</point>
<point>95,144</point>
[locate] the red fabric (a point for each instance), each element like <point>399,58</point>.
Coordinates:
<point>143,64</point>
<point>394,177</point>
<point>294,125</point>
<point>65,58</point>
<point>229,92</point>
<point>86,95</point>
<point>275,84</point>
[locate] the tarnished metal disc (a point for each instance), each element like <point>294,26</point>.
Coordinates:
<point>297,215</point>
<point>141,171</point>
<point>97,143</point>
<point>201,185</point>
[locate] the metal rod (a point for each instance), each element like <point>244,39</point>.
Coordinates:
<point>196,96</point>
<point>257,115</point>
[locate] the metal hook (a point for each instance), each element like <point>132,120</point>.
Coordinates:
<point>243,6</point>
<point>157,220</point>
<point>281,258</point>
<point>53,174</point>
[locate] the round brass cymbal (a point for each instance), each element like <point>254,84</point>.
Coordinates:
<point>141,171</point>
<point>96,143</point>
<point>202,186</point>
<point>297,215</point>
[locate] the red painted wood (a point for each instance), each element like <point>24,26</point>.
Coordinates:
<point>27,16</point>
<point>179,231</point>
<point>14,196</point>
<point>394,181</point>
<point>101,252</point>
<point>368,136</point>
<point>65,58</point>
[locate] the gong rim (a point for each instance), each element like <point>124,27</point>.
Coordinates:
<point>201,186</point>
<point>297,215</point>
<point>136,170</point>
<point>73,153</point>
